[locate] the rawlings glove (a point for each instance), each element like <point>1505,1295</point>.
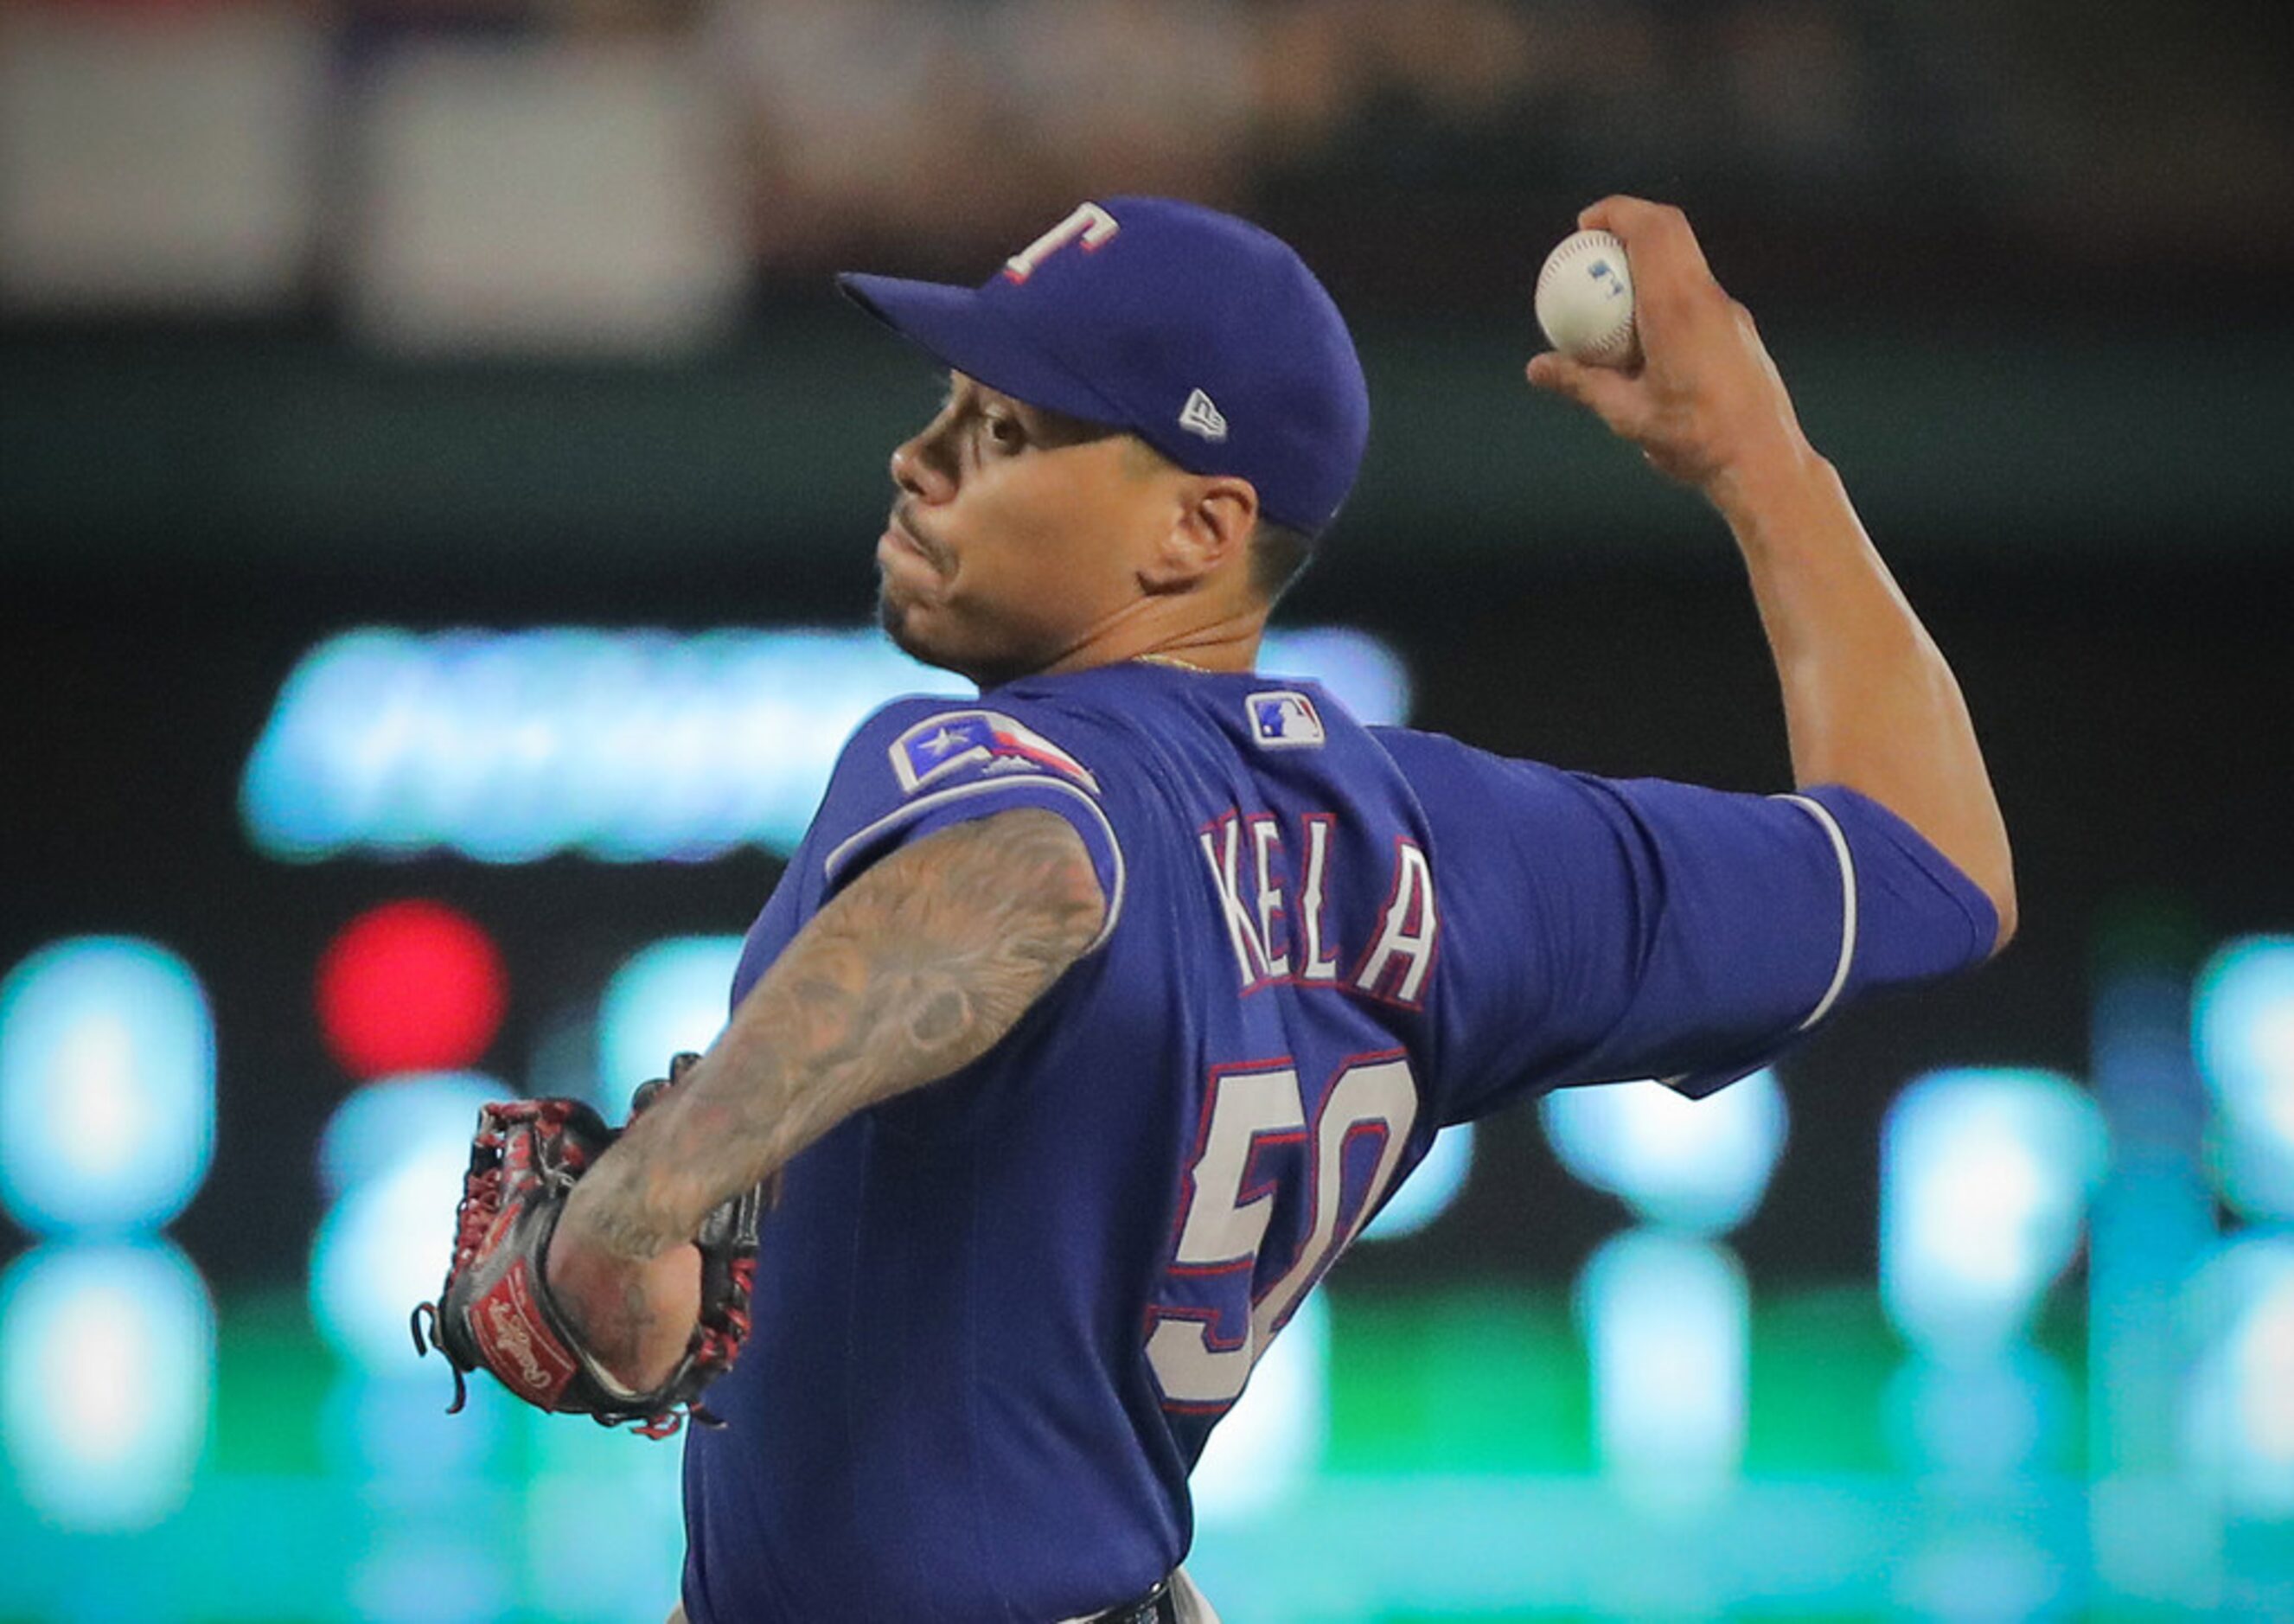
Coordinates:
<point>496,1310</point>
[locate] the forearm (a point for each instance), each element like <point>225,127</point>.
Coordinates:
<point>913,972</point>
<point>1868,699</point>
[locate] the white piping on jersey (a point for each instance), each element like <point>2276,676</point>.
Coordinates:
<point>1831,826</point>
<point>923,804</point>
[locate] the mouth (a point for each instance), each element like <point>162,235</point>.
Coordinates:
<point>900,537</point>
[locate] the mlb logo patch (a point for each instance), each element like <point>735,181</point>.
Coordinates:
<point>1284,718</point>
<point>955,741</point>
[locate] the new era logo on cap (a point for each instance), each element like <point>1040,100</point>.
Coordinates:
<point>1200,416</point>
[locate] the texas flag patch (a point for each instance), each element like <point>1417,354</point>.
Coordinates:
<point>953,741</point>
<point>1284,720</point>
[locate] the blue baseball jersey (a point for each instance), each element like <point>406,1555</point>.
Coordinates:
<point>996,1319</point>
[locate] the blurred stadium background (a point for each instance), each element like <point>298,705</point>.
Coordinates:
<point>437,491</point>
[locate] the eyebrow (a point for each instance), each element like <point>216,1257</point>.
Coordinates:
<point>1050,427</point>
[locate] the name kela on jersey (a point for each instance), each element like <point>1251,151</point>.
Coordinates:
<point>1282,932</point>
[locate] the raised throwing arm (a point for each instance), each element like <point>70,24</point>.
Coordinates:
<point>1868,700</point>
<point>912,973</point>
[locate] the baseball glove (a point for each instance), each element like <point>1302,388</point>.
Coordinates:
<point>496,1310</point>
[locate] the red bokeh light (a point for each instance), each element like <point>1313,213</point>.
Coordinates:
<point>410,986</point>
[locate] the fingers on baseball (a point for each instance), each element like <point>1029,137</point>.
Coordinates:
<point>1668,265</point>
<point>1610,394</point>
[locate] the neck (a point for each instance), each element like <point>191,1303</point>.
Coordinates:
<point>1228,644</point>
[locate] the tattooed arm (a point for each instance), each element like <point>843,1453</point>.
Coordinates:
<point>914,972</point>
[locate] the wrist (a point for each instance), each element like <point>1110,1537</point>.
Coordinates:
<point>573,1239</point>
<point>1786,472</point>
<point>632,1320</point>
<point>584,1276</point>
<point>569,1264</point>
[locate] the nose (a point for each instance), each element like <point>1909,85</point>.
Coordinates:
<point>918,471</point>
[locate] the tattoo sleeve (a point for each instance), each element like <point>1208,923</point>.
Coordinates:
<point>912,973</point>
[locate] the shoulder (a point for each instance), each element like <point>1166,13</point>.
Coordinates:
<point>922,742</point>
<point>920,766</point>
<point>1440,768</point>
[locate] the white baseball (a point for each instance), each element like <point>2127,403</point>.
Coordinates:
<point>1585,300</point>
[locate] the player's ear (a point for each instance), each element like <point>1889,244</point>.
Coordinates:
<point>1212,519</point>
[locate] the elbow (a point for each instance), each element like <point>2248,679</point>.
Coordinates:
<point>2004,901</point>
<point>2000,887</point>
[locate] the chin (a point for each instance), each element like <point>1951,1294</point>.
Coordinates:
<point>899,618</point>
<point>899,621</point>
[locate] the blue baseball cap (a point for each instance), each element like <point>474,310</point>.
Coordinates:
<point>1202,334</point>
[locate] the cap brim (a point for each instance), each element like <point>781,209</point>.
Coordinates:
<point>961,330</point>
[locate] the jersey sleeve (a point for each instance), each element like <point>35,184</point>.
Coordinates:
<point>1605,929</point>
<point>921,765</point>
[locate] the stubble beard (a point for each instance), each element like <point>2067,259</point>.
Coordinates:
<point>896,616</point>
<point>891,615</point>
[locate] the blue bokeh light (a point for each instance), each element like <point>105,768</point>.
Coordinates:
<point>1431,1188</point>
<point>670,996</point>
<point>1696,1165</point>
<point>385,1243</point>
<point>1984,1180</point>
<point>378,1126</point>
<point>2243,1020</point>
<point>107,1372</point>
<point>1667,1322</point>
<point>1361,671</point>
<point>626,1494</point>
<point>2239,1428</point>
<point>1985,1422</point>
<point>107,1086</point>
<point>434,1569</point>
<point>624,746</point>
<point>1267,1448</point>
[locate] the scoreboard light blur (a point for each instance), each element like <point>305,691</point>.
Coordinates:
<point>621,745</point>
<point>2243,1016</point>
<point>410,986</point>
<point>107,1087</point>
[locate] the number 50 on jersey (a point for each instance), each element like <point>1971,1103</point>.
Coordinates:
<point>1202,1351</point>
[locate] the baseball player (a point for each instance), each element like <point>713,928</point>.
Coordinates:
<point>1095,1017</point>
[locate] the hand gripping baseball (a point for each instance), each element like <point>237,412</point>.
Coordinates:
<point>1705,401</point>
<point>496,1308</point>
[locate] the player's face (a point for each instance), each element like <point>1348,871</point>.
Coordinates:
<point>1014,537</point>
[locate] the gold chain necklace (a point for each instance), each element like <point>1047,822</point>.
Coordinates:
<point>1173,661</point>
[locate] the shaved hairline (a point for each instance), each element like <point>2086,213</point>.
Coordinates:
<point>1279,554</point>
